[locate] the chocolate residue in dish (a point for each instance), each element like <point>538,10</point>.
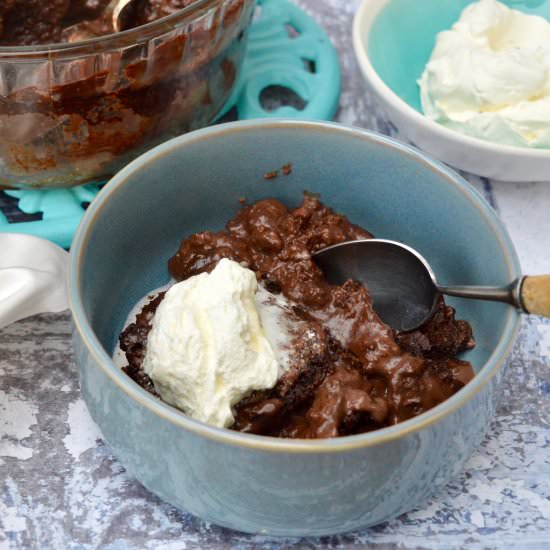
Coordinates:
<point>349,372</point>
<point>141,12</point>
<point>32,22</point>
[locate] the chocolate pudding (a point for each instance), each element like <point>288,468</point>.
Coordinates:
<point>348,372</point>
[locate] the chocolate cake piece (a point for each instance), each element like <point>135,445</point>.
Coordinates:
<point>441,336</point>
<point>133,342</point>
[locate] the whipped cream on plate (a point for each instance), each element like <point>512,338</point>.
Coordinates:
<point>489,76</point>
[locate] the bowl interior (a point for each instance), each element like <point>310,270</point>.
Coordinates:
<point>403,34</point>
<point>194,183</point>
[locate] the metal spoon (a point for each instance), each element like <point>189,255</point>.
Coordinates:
<point>89,29</point>
<point>404,287</point>
<point>118,11</point>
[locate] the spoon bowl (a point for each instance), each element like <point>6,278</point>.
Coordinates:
<point>404,288</point>
<point>115,13</point>
<point>120,9</point>
<point>400,281</point>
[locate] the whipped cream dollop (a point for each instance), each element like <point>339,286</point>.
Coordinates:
<point>489,76</point>
<point>207,347</point>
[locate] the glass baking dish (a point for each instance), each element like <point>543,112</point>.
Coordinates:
<point>76,113</point>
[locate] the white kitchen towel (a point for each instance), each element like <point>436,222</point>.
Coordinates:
<point>33,277</point>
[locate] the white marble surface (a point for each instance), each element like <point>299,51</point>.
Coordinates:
<point>60,487</point>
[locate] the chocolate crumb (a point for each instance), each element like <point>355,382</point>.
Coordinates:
<point>271,175</point>
<point>287,169</point>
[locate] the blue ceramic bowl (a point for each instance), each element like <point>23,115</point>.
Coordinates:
<point>393,40</point>
<point>262,484</point>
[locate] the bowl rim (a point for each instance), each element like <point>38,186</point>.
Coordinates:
<point>265,443</point>
<point>366,15</point>
<point>113,41</point>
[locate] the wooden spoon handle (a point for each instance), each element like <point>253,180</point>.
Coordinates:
<point>535,295</point>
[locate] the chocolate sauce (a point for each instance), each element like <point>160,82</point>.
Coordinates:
<point>349,373</point>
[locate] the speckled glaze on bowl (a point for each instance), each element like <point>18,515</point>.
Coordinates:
<point>393,41</point>
<point>262,484</point>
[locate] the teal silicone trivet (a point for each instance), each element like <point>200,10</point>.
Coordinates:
<point>289,58</point>
<point>287,48</point>
<point>61,212</point>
